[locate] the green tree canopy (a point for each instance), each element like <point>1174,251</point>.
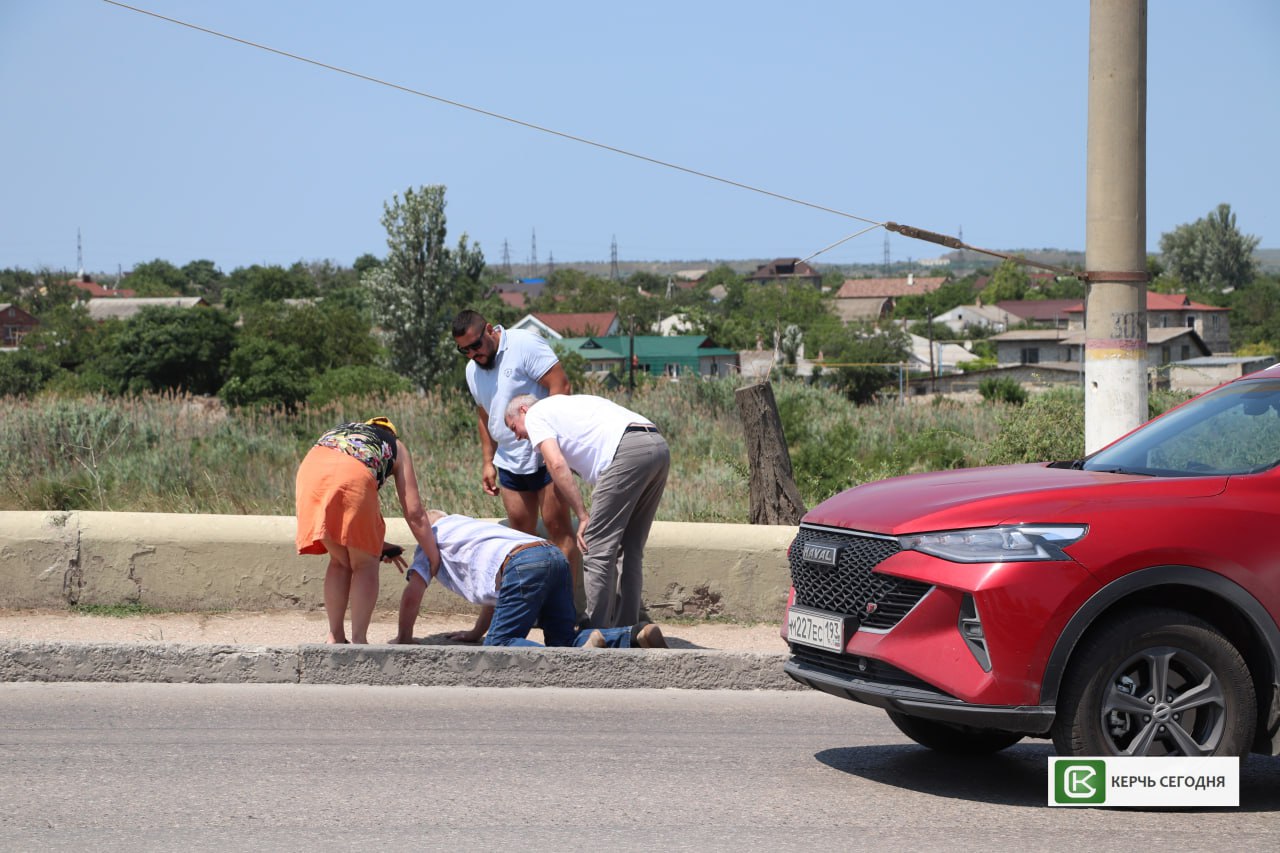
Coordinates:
<point>257,284</point>
<point>1009,281</point>
<point>203,278</point>
<point>156,278</point>
<point>867,356</point>
<point>1210,253</point>
<point>171,349</point>
<point>422,285</point>
<point>764,311</point>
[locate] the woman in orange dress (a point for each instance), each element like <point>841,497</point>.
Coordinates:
<point>338,513</point>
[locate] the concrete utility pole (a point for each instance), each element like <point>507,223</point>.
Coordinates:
<point>1115,351</point>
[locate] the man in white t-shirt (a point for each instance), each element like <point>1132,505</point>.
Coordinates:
<point>625,457</point>
<point>503,363</point>
<point>522,578</point>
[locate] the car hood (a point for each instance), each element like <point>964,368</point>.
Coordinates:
<point>982,497</point>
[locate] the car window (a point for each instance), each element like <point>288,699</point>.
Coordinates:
<point>1234,430</point>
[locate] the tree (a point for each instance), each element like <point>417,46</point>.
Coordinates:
<point>25,372</point>
<point>203,278</point>
<point>1210,253</point>
<point>263,371</point>
<point>256,284</point>
<point>65,334</point>
<point>1255,316</point>
<point>163,349</point>
<point>156,278</point>
<point>868,355</point>
<point>422,285</point>
<point>1009,281</point>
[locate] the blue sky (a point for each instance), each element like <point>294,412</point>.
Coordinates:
<point>157,141</point>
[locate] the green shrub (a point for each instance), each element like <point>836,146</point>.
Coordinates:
<point>1049,427</point>
<point>1002,389</point>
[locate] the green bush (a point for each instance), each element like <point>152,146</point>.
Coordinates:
<point>1002,389</point>
<point>356,381</point>
<point>1049,427</point>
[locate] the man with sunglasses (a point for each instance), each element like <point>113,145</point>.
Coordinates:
<point>504,363</point>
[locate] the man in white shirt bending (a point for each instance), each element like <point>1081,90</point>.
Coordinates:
<point>626,458</point>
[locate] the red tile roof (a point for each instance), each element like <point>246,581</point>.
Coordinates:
<point>1165,302</point>
<point>94,289</point>
<point>579,325</point>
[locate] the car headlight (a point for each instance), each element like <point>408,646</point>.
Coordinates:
<point>1017,543</point>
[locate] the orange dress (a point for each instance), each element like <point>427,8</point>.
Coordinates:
<point>337,496</point>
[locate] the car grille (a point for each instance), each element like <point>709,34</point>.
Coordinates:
<point>851,585</point>
<point>859,668</point>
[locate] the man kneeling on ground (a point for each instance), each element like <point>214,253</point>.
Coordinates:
<point>525,578</point>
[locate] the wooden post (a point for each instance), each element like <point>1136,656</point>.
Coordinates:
<point>774,496</point>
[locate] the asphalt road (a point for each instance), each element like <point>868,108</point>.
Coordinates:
<point>134,766</point>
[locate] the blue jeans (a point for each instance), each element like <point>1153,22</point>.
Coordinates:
<point>536,587</point>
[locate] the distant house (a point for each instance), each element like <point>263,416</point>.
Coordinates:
<point>1176,310</point>
<point>936,357</point>
<point>786,270</point>
<point>688,279</point>
<point>521,292</point>
<point>1200,374</point>
<point>1046,313</point>
<point>122,308</point>
<point>977,316</point>
<point>557,326</point>
<point>673,356</point>
<point>93,290</point>
<point>1060,346</point>
<point>15,324</point>
<point>874,298</point>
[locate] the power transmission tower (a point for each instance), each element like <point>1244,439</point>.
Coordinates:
<point>506,259</point>
<point>79,256</point>
<point>533,257</point>
<point>886,253</point>
<point>614,275</point>
<point>551,264</point>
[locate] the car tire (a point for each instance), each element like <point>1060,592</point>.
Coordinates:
<point>1110,703</point>
<point>952,738</point>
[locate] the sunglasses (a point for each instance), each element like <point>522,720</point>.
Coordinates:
<point>474,346</point>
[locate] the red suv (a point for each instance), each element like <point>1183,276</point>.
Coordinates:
<point>1121,604</point>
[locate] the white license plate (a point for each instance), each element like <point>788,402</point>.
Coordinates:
<point>815,628</point>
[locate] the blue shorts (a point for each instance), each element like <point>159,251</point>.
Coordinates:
<point>534,482</point>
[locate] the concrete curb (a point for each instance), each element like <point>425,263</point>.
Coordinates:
<point>440,666</point>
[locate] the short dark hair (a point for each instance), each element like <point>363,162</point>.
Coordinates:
<point>466,321</point>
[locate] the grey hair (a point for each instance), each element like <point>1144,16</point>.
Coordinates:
<point>513,408</point>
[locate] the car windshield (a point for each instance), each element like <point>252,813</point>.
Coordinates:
<point>1233,430</point>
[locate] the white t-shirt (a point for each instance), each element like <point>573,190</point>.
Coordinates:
<point>471,552</point>
<point>521,360</point>
<point>587,429</point>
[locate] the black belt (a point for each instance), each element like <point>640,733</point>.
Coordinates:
<point>641,428</point>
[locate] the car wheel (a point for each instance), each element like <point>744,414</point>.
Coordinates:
<point>952,737</point>
<point>1156,682</point>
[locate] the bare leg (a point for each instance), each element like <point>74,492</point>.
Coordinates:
<point>337,588</point>
<point>522,510</point>
<point>364,592</point>
<point>410,604</point>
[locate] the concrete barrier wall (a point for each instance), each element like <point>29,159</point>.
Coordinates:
<point>239,562</point>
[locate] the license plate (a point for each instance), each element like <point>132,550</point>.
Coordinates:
<point>815,628</point>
